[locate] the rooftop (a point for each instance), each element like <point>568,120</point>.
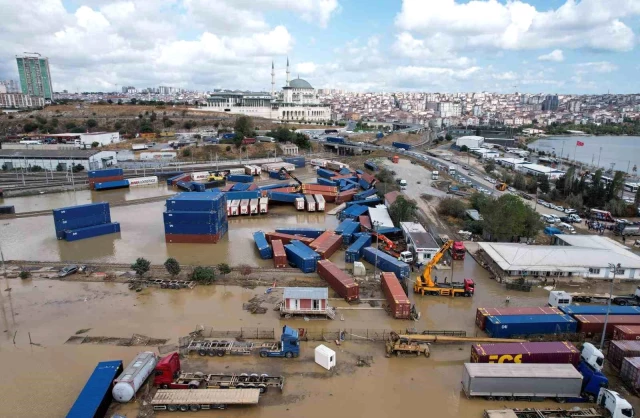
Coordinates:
<point>380,216</point>
<point>306,293</point>
<point>299,83</point>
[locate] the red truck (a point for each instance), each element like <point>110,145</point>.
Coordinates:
<point>168,375</point>
<point>248,141</point>
<point>458,251</point>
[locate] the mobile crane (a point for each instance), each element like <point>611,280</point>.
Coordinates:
<point>425,285</point>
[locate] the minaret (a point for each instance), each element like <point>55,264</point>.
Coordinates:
<point>273,80</point>
<point>287,71</point>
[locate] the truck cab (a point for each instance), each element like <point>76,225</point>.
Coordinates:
<point>614,404</point>
<point>590,367</point>
<point>402,183</point>
<point>289,345</point>
<point>406,257</point>
<point>435,175</point>
<point>458,251</point>
<point>632,300</point>
<point>592,356</point>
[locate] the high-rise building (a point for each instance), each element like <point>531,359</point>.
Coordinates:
<point>551,103</point>
<point>35,77</point>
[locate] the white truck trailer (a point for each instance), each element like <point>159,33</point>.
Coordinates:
<point>184,400</point>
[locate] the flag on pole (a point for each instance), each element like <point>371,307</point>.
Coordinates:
<point>579,144</point>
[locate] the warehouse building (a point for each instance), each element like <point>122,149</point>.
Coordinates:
<point>102,138</point>
<point>510,162</point>
<point>539,170</point>
<point>586,256</point>
<point>470,141</point>
<point>49,159</point>
<point>419,241</point>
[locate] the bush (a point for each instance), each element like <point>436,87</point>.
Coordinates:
<point>36,169</point>
<point>95,144</point>
<point>203,275</point>
<point>452,207</point>
<point>228,148</point>
<point>224,268</point>
<point>186,152</point>
<point>172,266</point>
<point>24,275</point>
<point>245,270</point>
<point>59,167</point>
<point>77,168</point>
<point>141,266</point>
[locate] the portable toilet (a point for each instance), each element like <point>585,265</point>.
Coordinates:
<point>359,269</point>
<point>325,357</point>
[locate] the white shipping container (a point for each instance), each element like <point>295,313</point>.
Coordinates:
<point>311,203</point>
<point>318,162</point>
<point>253,206</point>
<point>143,181</point>
<point>235,208</point>
<point>258,170</point>
<point>336,165</point>
<point>158,155</point>
<point>264,205</point>
<point>244,207</point>
<point>139,147</point>
<point>320,202</point>
<point>325,357</point>
<point>277,166</point>
<point>250,170</point>
<point>236,170</point>
<point>228,207</point>
<point>200,176</point>
<point>299,203</point>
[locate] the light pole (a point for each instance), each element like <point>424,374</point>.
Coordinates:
<point>376,225</point>
<point>615,268</point>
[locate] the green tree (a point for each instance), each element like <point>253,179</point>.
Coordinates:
<point>452,207</point>
<point>167,123</point>
<point>109,101</point>
<point>448,137</point>
<point>141,266</point>
<point>224,268</point>
<point>189,124</point>
<point>69,126</point>
<point>77,168</point>
<point>91,123</point>
<point>59,167</point>
<point>519,181</point>
<point>95,144</point>
<point>153,117</point>
<point>244,127</point>
<point>172,266</point>
<point>119,101</point>
<point>480,201</point>
<point>543,184</point>
<point>403,210</point>
<point>615,187</point>
<point>464,148</point>
<point>117,125</point>
<point>29,127</point>
<point>508,217</point>
<point>186,152</point>
<point>203,275</point>
<point>575,201</point>
<point>489,166</point>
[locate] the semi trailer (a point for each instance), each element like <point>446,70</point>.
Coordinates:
<point>202,399</point>
<point>288,346</point>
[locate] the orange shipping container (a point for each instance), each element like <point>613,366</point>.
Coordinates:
<point>396,298</point>
<point>279,255</point>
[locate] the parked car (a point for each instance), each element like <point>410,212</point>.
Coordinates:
<point>68,270</point>
<point>511,189</point>
<point>470,174</point>
<point>541,202</point>
<point>569,211</point>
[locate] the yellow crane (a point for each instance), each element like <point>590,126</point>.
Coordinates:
<point>426,286</point>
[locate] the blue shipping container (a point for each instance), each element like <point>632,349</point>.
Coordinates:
<point>327,174</point>
<point>354,252</point>
<point>278,175</point>
<point>354,211</point>
<point>194,229</point>
<point>335,139</point>
<point>263,246</point>
<point>364,184</point>
<point>344,171</point>
<point>325,182</point>
<point>81,210</point>
<point>197,187</point>
<point>109,185</point>
<point>387,230</point>
<point>344,225</point>
<point>95,398</point>
<point>349,231</point>
<point>171,179</point>
<point>386,262</point>
<point>283,197</point>
<point>505,326</point>
<point>75,223</point>
<point>599,310</point>
<point>298,162</point>
<point>366,202</point>
<point>240,187</point>
<point>364,195</point>
<point>109,172</point>
<point>307,250</point>
<point>300,258</point>
<point>370,165</point>
<point>240,178</point>
<point>167,174</point>
<point>253,194</point>
<point>347,187</point>
<point>91,231</point>
<point>197,202</point>
<point>273,186</point>
<point>305,232</point>
<point>184,185</point>
<point>401,145</point>
<point>178,217</point>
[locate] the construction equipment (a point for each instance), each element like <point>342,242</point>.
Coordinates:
<point>390,247</point>
<point>502,186</point>
<point>216,176</point>
<point>426,286</point>
<point>416,344</point>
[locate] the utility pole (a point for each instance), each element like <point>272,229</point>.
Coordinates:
<point>606,317</point>
<point>376,225</point>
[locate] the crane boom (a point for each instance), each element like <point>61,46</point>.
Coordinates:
<point>425,280</point>
<point>450,339</point>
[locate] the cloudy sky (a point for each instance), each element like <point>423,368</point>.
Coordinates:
<point>561,46</point>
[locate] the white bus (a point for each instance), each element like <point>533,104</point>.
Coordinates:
<point>631,187</point>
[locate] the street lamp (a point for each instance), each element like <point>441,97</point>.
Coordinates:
<point>615,268</point>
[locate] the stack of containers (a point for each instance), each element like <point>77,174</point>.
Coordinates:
<point>84,221</point>
<point>347,228</point>
<point>483,313</point>
<point>105,176</point>
<point>263,246</point>
<point>399,303</point>
<point>339,281</point>
<point>196,218</point>
<point>619,350</point>
<point>386,262</point>
<point>354,252</point>
<point>557,352</point>
<point>630,372</point>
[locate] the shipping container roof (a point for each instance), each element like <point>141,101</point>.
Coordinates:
<point>380,216</point>
<point>306,293</point>
<point>531,370</point>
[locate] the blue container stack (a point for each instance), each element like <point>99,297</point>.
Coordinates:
<point>196,217</point>
<point>347,228</point>
<point>84,221</point>
<point>298,162</point>
<point>263,246</point>
<point>386,262</point>
<point>505,326</point>
<point>354,252</point>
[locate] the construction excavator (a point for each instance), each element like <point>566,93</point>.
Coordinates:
<point>417,344</point>
<point>426,286</point>
<point>391,247</point>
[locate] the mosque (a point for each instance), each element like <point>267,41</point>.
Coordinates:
<point>297,101</point>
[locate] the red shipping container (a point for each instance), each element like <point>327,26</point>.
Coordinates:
<point>227,187</point>
<point>279,255</point>
<point>626,332</point>
<point>284,190</point>
<point>329,246</point>
<point>594,324</point>
<point>321,239</point>
<point>483,313</point>
<point>630,372</point>
<point>619,350</point>
<point>396,298</point>
<point>184,177</point>
<point>539,352</point>
<point>369,178</point>
<point>346,196</point>
<point>252,187</point>
<point>339,281</point>
<point>319,188</point>
<point>192,238</point>
<point>286,238</point>
<point>93,181</point>
<point>365,221</point>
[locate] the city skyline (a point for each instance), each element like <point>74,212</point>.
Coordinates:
<point>532,46</point>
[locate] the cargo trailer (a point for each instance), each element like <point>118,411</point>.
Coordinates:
<point>253,207</point>
<point>338,280</point>
<point>234,209</point>
<point>263,203</point>
<point>521,381</point>
<point>244,207</point>
<point>594,324</point>
<point>397,300</point>
<point>517,325</point>
<point>91,231</point>
<point>310,203</point>
<point>299,203</point>
<point>630,373</point>
<point>95,398</point>
<point>556,352</point>
<point>185,400</point>
<point>620,349</point>
<point>385,262</point>
<point>320,202</point>
<point>626,332</point>
<point>279,254</point>
<point>263,246</point>
<point>483,313</point>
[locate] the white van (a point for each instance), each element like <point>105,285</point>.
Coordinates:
<point>566,227</point>
<point>554,219</point>
<point>547,219</point>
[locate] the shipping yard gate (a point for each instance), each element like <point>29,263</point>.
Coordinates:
<point>345,334</point>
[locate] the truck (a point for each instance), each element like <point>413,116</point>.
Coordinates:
<point>202,399</point>
<point>631,300</point>
<point>402,183</point>
<point>288,346</point>
<point>169,375</point>
<point>458,251</point>
<point>418,344</point>
<point>609,405</point>
<point>626,230</point>
<point>452,170</point>
<point>425,285</point>
<point>435,175</point>
<point>601,215</point>
<point>502,186</point>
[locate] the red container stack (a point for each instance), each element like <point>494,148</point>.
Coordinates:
<point>94,180</point>
<point>630,372</point>
<point>539,352</point>
<point>483,313</point>
<point>327,244</point>
<point>619,350</point>
<point>286,238</point>
<point>279,255</point>
<point>396,298</point>
<point>594,324</point>
<point>339,281</point>
<point>626,332</point>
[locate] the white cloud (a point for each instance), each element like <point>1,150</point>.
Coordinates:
<point>596,67</point>
<point>438,52</point>
<point>305,68</point>
<point>507,76</point>
<point>556,56</point>
<point>516,25</point>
